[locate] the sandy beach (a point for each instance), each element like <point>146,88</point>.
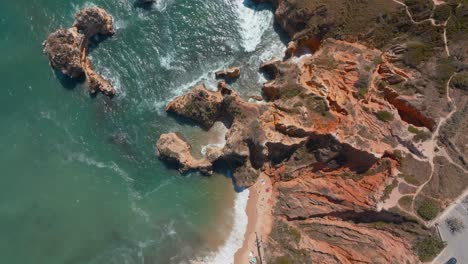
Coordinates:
<point>259,208</point>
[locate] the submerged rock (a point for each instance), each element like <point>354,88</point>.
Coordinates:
<point>67,49</point>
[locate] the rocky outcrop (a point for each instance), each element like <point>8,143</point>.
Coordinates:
<point>338,111</point>
<point>199,105</point>
<point>67,49</point>
<point>324,136</point>
<point>92,21</point>
<point>63,48</point>
<point>174,149</point>
<point>230,73</point>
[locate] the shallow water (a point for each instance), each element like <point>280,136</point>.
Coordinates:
<point>80,182</point>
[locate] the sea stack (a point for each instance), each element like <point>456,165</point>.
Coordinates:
<point>67,49</point>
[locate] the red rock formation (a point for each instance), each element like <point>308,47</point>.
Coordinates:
<point>231,73</point>
<point>321,137</point>
<point>174,149</point>
<point>67,48</point>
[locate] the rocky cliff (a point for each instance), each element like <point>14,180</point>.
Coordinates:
<point>351,129</point>
<point>67,49</point>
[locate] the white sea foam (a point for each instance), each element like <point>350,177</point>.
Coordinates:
<point>216,136</point>
<point>167,61</point>
<point>206,78</point>
<point>101,165</point>
<point>252,23</point>
<point>114,79</point>
<point>226,252</point>
<point>161,5</point>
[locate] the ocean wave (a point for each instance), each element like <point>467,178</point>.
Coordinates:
<point>226,252</point>
<point>253,21</point>
<point>167,62</point>
<point>161,5</point>
<point>207,77</point>
<point>114,79</point>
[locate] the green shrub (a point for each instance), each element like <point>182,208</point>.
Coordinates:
<point>417,53</point>
<point>378,225</point>
<point>388,189</point>
<point>428,209</point>
<point>442,12</point>
<point>413,130</point>
<point>428,248</point>
<point>283,260</point>
<point>460,81</point>
<point>384,116</point>
<point>409,178</point>
<point>444,69</point>
<point>405,202</point>
<point>362,85</point>
<point>422,136</point>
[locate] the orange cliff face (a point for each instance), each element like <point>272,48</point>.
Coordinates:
<point>326,134</point>
<point>362,97</point>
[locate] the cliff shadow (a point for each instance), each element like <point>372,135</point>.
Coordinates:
<point>95,41</point>
<point>186,121</point>
<point>68,82</point>
<point>146,5</point>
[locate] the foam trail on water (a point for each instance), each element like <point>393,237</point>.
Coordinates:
<point>226,252</point>
<point>162,4</point>
<point>253,21</point>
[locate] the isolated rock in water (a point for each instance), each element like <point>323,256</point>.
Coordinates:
<point>231,73</point>
<point>174,149</point>
<point>67,49</point>
<point>62,47</point>
<point>94,20</point>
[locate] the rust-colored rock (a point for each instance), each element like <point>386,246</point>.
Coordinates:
<point>231,73</point>
<point>66,49</point>
<point>174,149</point>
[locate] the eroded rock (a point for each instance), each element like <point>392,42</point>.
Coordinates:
<point>174,149</point>
<point>231,73</point>
<point>67,49</point>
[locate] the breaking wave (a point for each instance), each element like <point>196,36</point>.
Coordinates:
<point>253,21</point>
<point>226,252</point>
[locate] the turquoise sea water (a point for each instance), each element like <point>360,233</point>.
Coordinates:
<point>80,182</point>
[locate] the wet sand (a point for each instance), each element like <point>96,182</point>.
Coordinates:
<point>260,220</point>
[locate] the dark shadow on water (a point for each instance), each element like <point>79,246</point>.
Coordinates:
<point>284,37</point>
<point>143,5</point>
<point>95,41</point>
<point>67,82</point>
<point>220,167</point>
<point>228,80</point>
<point>257,6</point>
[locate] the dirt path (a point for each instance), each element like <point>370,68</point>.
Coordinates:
<point>431,20</point>
<point>431,145</point>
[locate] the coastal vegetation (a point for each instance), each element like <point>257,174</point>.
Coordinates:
<point>428,209</point>
<point>428,248</point>
<point>384,116</point>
